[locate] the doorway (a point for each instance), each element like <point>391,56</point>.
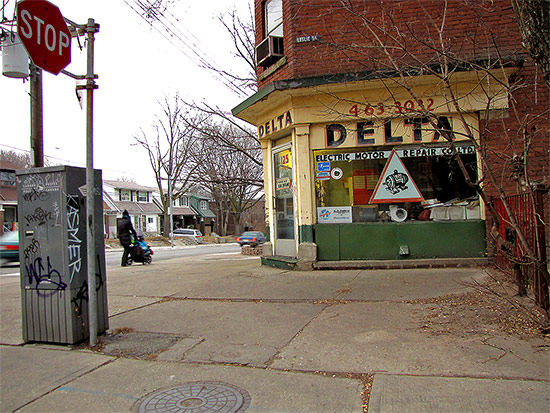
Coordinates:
<point>283,188</point>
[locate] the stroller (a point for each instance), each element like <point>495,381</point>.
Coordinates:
<point>140,252</point>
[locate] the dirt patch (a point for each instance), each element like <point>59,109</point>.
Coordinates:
<point>493,307</point>
<point>136,344</point>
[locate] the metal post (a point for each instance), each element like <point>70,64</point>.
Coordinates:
<point>91,28</point>
<point>37,130</point>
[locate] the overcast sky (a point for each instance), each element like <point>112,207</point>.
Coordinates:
<point>137,67</point>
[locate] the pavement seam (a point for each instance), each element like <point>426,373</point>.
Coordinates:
<point>278,352</point>
<point>162,299</point>
<point>330,301</point>
<point>345,289</point>
<point>65,383</point>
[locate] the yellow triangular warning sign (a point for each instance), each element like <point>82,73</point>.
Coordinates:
<point>395,184</point>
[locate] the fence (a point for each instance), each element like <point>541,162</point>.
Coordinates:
<point>528,211</point>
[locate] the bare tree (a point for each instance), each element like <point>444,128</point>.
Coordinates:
<point>395,51</point>
<point>243,36</point>
<point>534,23</point>
<point>20,160</point>
<point>170,145</point>
<point>234,177</point>
<point>240,78</point>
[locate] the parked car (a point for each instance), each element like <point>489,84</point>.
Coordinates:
<point>252,238</point>
<point>193,234</point>
<point>9,246</point>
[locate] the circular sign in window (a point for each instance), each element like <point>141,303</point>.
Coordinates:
<point>336,173</point>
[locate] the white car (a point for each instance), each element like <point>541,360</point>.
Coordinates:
<point>193,234</point>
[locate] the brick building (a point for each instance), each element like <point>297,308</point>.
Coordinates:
<point>375,118</point>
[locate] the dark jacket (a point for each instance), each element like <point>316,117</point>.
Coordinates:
<point>125,228</point>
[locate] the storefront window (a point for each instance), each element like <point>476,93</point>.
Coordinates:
<point>357,185</point>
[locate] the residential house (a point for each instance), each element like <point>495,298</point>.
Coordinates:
<point>183,215</point>
<point>205,216</point>
<point>137,199</point>
<point>193,211</point>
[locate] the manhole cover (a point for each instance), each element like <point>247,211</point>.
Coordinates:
<point>195,397</point>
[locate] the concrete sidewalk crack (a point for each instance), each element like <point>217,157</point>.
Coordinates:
<point>278,352</point>
<point>65,383</point>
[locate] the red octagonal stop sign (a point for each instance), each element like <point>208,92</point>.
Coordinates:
<point>44,34</point>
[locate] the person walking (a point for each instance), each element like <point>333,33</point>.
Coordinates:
<point>125,230</point>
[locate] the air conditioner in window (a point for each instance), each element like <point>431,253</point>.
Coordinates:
<point>269,51</point>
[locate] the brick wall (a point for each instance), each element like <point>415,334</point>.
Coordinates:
<point>409,27</point>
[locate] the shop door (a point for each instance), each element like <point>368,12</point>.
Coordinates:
<point>285,242</point>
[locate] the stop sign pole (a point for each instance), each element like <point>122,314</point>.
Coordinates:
<point>91,29</point>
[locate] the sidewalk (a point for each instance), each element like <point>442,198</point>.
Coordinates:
<point>270,340</point>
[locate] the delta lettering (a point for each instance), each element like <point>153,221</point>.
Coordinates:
<point>280,122</point>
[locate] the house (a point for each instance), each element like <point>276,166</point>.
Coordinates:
<point>8,197</point>
<point>193,211</point>
<point>137,199</point>
<point>372,125</point>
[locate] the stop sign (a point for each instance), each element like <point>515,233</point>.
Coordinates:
<point>44,34</point>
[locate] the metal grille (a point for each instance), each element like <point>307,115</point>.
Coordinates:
<point>524,208</point>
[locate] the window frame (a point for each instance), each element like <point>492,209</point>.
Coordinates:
<point>277,29</point>
<point>141,193</point>
<point>123,193</point>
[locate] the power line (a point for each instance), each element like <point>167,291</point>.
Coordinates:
<point>204,60</point>
<point>68,162</point>
<point>182,39</point>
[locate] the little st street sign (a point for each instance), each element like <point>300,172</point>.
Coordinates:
<point>44,34</point>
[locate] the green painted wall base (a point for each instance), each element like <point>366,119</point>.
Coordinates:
<point>405,240</point>
<point>306,233</point>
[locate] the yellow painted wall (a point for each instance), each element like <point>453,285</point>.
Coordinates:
<point>310,110</point>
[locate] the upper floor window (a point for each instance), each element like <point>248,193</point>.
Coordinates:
<point>124,195</point>
<point>274,18</point>
<point>203,205</point>
<point>142,196</point>
<point>183,201</point>
<point>7,178</point>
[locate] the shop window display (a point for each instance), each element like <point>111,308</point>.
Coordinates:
<point>346,180</point>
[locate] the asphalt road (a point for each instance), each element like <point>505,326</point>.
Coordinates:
<point>112,258</point>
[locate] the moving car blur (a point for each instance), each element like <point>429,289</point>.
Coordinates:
<point>9,246</point>
<point>252,238</point>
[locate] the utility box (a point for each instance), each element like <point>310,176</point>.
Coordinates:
<point>53,254</point>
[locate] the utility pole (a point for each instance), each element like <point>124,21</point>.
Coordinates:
<point>37,128</point>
